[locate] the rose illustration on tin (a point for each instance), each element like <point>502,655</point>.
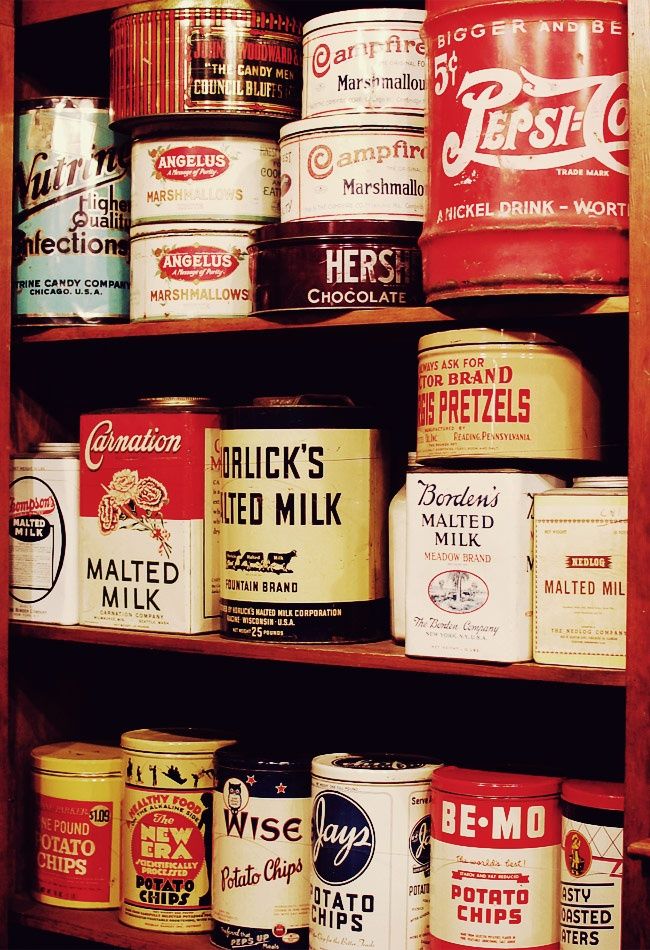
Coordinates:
<point>133,502</point>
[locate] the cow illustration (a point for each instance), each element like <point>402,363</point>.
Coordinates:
<point>279,562</point>
<point>231,559</point>
<point>251,561</point>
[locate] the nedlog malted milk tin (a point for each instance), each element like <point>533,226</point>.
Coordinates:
<point>205,178</point>
<point>168,779</point>
<point>71,214</point>
<point>371,833</point>
<point>77,790</point>
<point>364,61</point>
<point>149,526</point>
<point>303,534</point>
<point>260,878</point>
<point>486,393</point>
<point>495,860</point>
<point>370,166</point>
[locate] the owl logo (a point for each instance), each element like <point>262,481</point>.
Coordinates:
<point>234,796</point>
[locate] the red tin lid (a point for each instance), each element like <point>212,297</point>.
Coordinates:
<point>606,795</point>
<point>450,778</point>
<point>367,230</point>
<point>437,8</point>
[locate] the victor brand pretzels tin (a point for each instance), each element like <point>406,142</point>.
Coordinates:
<point>364,61</point>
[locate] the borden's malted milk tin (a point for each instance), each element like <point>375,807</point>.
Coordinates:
<point>167,829</point>
<point>149,533</point>
<point>495,860</point>
<point>260,878</point>
<point>370,851</point>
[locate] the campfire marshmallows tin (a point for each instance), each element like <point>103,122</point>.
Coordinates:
<point>167,829</point>
<point>303,501</point>
<point>592,864</point>
<point>77,790</point>
<point>371,835</point>
<point>495,860</point>
<point>149,533</point>
<point>260,881</point>
<point>71,214</point>
<point>370,167</point>
<point>485,393</point>
<point>364,61</point>
<point>175,60</point>
<point>205,178</point>
<point>528,139</point>
<point>179,271</point>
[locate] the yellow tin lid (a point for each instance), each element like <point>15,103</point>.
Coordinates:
<point>77,758</point>
<point>173,741</point>
<point>482,336</point>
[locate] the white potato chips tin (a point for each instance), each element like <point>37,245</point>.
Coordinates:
<point>347,167</point>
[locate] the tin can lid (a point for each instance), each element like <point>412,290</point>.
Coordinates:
<point>214,11</point>
<point>213,230</point>
<point>606,795</point>
<point>173,741</point>
<point>601,482</point>
<point>451,778</point>
<point>370,767</point>
<point>360,230</point>
<point>299,411</point>
<point>77,758</point>
<point>245,756</point>
<point>374,16</point>
<point>174,402</point>
<point>60,103</point>
<point>57,449</point>
<point>482,336</point>
<point>390,121</point>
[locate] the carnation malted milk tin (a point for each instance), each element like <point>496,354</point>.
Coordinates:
<point>592,864</point>
<point>175,60</point>
<point>205,178</point>
<point>180,271</point>
<point>44,534</point>
<point>167,829</point>
<point>370,166</point>
<point>260,878</point>
<point>364,61</point>
<point>370,836</point>
<point>303,502</point>
<point>149,527</point>
<point>486,393</point>
<point>71,214</point>
<point>495,860</point>
<point>77,789</point>
<point>528,135</point>
<point>469,563</point>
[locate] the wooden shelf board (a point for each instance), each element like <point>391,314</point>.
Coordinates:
<point>384,655</point>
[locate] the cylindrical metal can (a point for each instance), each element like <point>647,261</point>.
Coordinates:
<point>371,833</point>
<point>167,829</point>
<point>485,393</point>
<point>303,506</point>
<point>592,864</point>
<point>335,265</point>
<point>495,860</point>
<point>260,878</point>
<point>370,166</point>
<point>364,61</point>
<point>71,214</point>
<point>175,60</point>
<point>77,790</point>
<point>179,271</point>
<point>528,147</point>
<point>205,178</point>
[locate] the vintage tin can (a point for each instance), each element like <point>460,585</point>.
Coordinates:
<point>77,790</point>
<point>335,265</point>
<point>180,272</point>
<point>592,864</point>
<point>371,835</point>
<point>44,534</point>
<point>580,577</point>
<point>71,214</point>
<point>260,878</point>
<point>495,860</point>
<point>485,393</point>
<point>370,167</point>
<point>205,178</point>
<point>303,502</point>
<point>528,139</point>
<point>364,61</point>
<point>149,527</point>
<point>175,60</point>
<point>167,829</point>
<point>469,580</point>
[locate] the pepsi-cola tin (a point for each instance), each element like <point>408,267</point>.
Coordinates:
<point>370,851</point>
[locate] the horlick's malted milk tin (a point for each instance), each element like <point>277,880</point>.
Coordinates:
<point>77,790</point>
<point>260,878</point>
<point>371,836</point>
<point>167,829</point>
<point>149,501</point>
<point>495,860</point>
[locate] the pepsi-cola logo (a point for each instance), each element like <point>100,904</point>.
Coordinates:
<point>342,838</point>
<point>420,841</point>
